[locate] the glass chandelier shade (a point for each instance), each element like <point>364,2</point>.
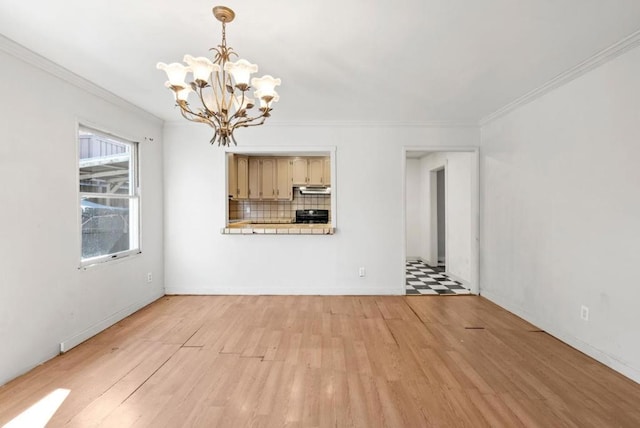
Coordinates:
<point>217,91</point>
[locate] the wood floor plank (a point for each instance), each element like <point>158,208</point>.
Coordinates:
<point>326,361</point>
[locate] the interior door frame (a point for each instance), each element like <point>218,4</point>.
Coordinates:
<point>434,217</point>
<point>474,282</point>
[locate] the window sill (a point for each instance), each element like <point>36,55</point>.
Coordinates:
<point>110,260</point>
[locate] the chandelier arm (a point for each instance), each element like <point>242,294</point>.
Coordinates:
<point>184,109</point>
<point>235,115</point>
<point>195,117</point>
<point>248,123</point>
<point>212,118</point>
<point>263,116</point>
<point>208,112</point>
<point>226,81</point>
<point>219,85</point>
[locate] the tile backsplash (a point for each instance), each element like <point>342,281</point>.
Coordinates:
<point>281,210</point>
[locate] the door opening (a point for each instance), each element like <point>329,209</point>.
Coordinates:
<point>441,217</point>
<point>441,221</point>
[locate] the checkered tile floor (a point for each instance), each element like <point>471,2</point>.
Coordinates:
<point>423,279</point>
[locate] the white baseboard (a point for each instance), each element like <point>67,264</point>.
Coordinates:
<point>51,353</point>
<point>610,361</point>
<point>78,338</point>
<point>232,290</point>
<point>429,262</point>
<point>464,282</point>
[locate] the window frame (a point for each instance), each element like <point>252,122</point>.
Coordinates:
<point>133,197</point>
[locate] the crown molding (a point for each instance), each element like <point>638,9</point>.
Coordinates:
<point>350,124</point>
<point>26,55</point>
<point>565,77</point>
<point>377,124</point>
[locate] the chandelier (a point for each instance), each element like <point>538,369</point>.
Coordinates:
<point>221,88</point>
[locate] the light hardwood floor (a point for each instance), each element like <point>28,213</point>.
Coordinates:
<point>295,361</point>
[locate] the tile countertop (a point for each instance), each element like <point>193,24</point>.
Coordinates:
<point>276,228</point>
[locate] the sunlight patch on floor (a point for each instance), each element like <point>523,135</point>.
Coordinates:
<point>39,414</point>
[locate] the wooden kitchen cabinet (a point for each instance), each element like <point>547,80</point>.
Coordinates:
<point>268,178</point>
<point>284,180</point>
<point>262,178</point>
<point>299,171</point>
<point>310,172</point>
<point>232,176</point>
<point>237,178</point>
<point>327,171</point>
<point>243,177</point>
<point>315,171</point>
<point>254,178</point>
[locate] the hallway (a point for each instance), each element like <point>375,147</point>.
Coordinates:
<point>422,279</point>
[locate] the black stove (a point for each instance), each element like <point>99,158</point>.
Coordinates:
<point>312,216</point>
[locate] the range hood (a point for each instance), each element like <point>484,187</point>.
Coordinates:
<point>315,190</point>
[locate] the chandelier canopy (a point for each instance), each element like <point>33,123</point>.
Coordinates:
<point>221,88</point>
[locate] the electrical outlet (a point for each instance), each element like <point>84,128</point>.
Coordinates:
<point>361,272</point>
<point>149,277</point>
<point>584,313</point>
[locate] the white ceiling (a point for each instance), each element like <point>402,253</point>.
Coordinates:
<point>358,60</point>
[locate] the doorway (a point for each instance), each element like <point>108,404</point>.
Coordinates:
<point>440,222</point>
<point>439,208</point>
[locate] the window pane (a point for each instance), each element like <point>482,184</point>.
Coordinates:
<point>104,164</point>
<point>105,226</point>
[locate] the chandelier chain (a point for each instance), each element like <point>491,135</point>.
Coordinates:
<point>224,34</point>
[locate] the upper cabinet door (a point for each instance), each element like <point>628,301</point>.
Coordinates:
<point>232,176</point>
<point>254,178</point>
<point>242,165</point>
<point>315,172</point>
<point>268,176</point>
<point>327,171</point>
<point>300,172</point>
<point>284,182</point>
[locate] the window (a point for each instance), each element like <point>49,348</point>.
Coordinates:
<point>109,199</point>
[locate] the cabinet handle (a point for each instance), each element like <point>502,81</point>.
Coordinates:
<point>273,192</point>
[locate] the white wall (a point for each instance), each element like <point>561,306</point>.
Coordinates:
<point>458,214</point>
<point>560,218</point>
<point>370,204</point>
<point>44,298</point>
<point>412,218</point>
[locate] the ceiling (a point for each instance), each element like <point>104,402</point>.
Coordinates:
<point>410,61</point>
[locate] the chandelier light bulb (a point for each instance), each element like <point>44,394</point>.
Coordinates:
<point>265,85</point>
<point>201,67</point>
<point>267,99</point>
<point>176,73</point>
<point>241,71</point>
<point>222,88</point>
<point>180,94</point>
<point>210,101</point>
